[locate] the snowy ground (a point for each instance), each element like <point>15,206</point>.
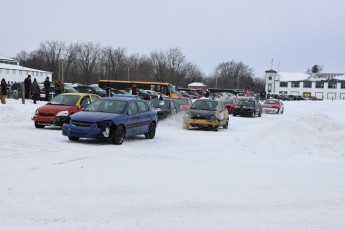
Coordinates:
<point>274,172</point>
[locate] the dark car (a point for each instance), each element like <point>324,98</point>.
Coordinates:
<point>248,107</point>
<point>114,119</point>
<point>91,89</point>
<point>164,107</point>
<point>206,113</point>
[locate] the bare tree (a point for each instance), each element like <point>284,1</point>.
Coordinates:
<point>113,61</point>
<point>52,51</point>
<point>88,54</point>
<point>159,65</point>
<point>70,58</point>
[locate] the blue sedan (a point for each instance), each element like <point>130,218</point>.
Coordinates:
<point>112,118</point>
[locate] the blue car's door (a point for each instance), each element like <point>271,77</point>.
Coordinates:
<point>144,116</point>
<point>132,126</point>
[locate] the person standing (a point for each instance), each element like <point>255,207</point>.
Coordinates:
<point>46,89</point>
<point>3,91</point>
<point>27,85</point>
<point>58,86</point>
<point>35,91</point>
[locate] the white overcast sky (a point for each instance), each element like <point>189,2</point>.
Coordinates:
<point>296,34</point>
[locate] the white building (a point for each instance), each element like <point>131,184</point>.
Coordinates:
<point>320,85</point>
<point>11,71</point>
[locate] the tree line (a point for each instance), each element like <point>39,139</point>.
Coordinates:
<point>86,63</point>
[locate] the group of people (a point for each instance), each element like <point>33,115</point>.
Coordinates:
<point>33,89</point>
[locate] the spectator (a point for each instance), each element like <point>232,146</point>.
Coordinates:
<point>46,89</point>
<point>27,85</point>
<point>3,91</point>
<point>35,91</point>
<point>59,88</point>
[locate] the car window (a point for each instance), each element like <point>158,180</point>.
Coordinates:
<point>85,101</point>
<point>94,97</point>
<point>142,107</point>
<point>132,108</point>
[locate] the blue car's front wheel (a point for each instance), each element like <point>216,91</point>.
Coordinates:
<point>152,131</point>
<point>117,135</point>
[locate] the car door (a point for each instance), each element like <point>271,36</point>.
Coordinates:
<point>144,116</point>
<point>132,126</point>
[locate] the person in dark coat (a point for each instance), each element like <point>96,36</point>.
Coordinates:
<point>46,89</point>
<point>35,91</point>
<point>27,85</point>
<point>3,91</point>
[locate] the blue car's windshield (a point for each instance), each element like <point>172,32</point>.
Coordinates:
<point>108,106</point>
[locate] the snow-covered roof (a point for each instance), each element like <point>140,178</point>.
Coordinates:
<point>287,76</point>
<point>18,67</point>
<point>199,84</point>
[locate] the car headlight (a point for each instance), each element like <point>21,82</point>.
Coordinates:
<point>104,124</point>
<point>63,113</point>
<point>211,117</point>
<point>187,115</point>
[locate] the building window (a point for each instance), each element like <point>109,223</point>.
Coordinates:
<point>295,84</point>
<point>283,84</point>
<point>283,92</point>
<point>342,85</point>
<point>307,84</point>
<point>270,87</point>
<point>332,85</point>
<point>41,74</point>
<point>319,85</point>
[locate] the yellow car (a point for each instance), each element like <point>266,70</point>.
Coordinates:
<point>207,113</point>
<point>60,107</point>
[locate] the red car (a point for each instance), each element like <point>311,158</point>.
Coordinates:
<point>273,106</point>
<point>184,102</point>
<point>59,108</point>
<point>230,103</point>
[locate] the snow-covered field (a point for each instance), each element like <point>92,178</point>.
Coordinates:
<point>274,172</point>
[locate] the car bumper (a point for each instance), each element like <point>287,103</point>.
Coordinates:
<point>269,110</point>
<point>84,132</point>
<point>42,120</point>
<point>60,120</point>
<point>200,123</point>
<point>243,112</point>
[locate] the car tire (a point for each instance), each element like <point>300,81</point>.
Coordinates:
<point>253,114</point>
<point>278,111</point>
<point>216,128</point>
<point>152,131</point>
<point>38,126</point>
<point>226,125</point>
<point>117,135</point>
<point>260,114</point>
<point>72,138</point>
<point>234,114</point>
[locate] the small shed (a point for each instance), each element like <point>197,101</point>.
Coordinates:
<point>197,86</point>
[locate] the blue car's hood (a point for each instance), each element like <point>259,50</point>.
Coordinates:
<point>93,116</point>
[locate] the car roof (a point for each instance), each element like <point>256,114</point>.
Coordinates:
<point>121,98</point>
<point>79,94</point>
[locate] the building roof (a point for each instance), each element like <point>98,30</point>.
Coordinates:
<point>270,71</point>
<point>288,76</point>
<point>199,84</point>
<point>18,67</point>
